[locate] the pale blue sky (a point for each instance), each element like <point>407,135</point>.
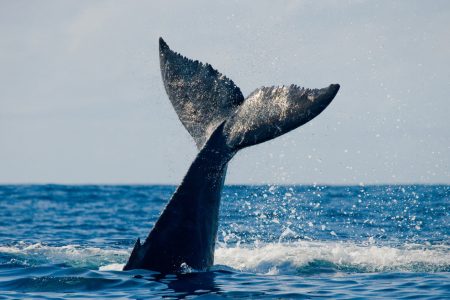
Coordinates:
<point>81,98</point>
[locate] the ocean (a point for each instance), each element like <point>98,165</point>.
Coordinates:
<point>275,242</point>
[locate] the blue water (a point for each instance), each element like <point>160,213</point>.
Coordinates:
<point>274,242</point>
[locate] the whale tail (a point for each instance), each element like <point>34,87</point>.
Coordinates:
<point>221,121</point>
<point>185,233</point>
<point>203,98</point>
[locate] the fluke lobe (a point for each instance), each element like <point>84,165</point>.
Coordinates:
<point>221,122</point>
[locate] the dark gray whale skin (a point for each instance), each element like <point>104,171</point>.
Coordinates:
<point>213,110</point>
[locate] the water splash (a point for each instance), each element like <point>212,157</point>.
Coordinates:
<point>71,255</point>
<point>304,257</point>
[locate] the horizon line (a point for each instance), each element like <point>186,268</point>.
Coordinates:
<point>227,184</point>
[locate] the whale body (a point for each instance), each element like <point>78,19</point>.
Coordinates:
<point>222,122</point>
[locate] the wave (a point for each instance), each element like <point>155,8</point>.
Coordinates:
<point>309,257</point>
<point>301,257</point>
<point>71,255</point>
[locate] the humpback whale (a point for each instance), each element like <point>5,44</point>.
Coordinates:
<point>221,122</point>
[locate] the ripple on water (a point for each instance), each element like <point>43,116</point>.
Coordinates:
<point>274,242</point>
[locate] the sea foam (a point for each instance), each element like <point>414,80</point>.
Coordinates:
<point>297,257</point>
<point>301,257</point>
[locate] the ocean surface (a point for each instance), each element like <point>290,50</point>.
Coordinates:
<point>342,242</point>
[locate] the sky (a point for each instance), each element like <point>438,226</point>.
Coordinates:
<point>82,100</point>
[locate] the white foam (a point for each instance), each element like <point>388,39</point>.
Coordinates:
<point>112,267</point>
<point>74,255</point>
<point>272,258</point>
<point>282,258</point>
<point>11,249</point>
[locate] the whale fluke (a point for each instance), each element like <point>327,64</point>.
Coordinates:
<point>269,112</point>
<point>221,122</point>
<point>202,97</point>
